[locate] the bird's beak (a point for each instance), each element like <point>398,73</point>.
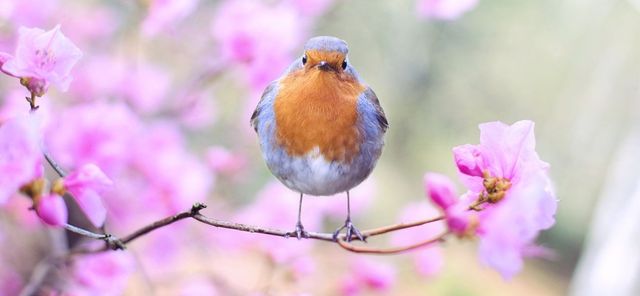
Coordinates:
<point>324,66</point>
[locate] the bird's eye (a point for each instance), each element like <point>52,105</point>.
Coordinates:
<point>344,65</point>
<point>304,59</point>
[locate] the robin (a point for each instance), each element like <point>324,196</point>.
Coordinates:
<point>320,126</point>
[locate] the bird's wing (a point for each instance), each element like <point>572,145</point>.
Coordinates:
<point>266,95</point>
<point>373,99</point>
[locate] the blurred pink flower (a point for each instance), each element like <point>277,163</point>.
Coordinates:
<point>444,9</point>
<point>303,266</point>
<point>17,208</point>
<point>175,178</point>
<point>369,274</point>
<point>245,30</point>
<point>52,210</point>
<point>311,7</point>
<point>265,68</point>
<point>42,58</point>
<point>28,13</point>
<point>11,282</point>
<point>87,24</point>
<point>91,85</point>
<point>166,13</point>
<point>199,111</point>
<point>84,185</point>
<point>515,181</point>
<point>224,161</point>
<point>20,154</point>
<point>99,133</point>
<point>101,274</point>
<point>146,87</point>
<point>428,260</point>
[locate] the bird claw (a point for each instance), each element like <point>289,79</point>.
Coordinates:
<point>300,232</point>
<point>351,230</point>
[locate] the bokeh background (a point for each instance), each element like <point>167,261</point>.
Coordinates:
<point>178,74</point>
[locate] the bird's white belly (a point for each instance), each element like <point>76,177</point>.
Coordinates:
<point>313,174</point>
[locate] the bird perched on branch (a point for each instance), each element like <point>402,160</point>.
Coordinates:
<point>320,126</point>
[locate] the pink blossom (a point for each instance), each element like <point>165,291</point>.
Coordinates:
<point>20,154</point>
<point>165,13</point>
<point>444,9</point>
<point>366,273</point>
<point>428,261</point>
<point>42,58</point>
<point>101,274</point>
<point>518,197</point>
<point>84,185</point>
<point>52,210</point>
<point>440,189</point>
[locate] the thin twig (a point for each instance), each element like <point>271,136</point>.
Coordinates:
<point>84,232</point>
<point>395,250</point>
<point>195,210</point>
<point>390,228</point>
<point>54,165</point>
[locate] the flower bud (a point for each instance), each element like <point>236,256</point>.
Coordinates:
<point>52,210</point>
<point>460,220</point>
<point>440,189</point>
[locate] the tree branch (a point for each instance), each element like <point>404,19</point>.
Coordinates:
<point>194,213</point>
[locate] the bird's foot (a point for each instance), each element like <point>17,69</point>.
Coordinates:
<point>351,231</point>
<point>300,232</point>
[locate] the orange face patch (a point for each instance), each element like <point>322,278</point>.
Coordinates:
<point>333,58</point>
<point>316,108</point>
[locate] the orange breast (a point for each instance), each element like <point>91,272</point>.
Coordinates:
<point>317,108</point>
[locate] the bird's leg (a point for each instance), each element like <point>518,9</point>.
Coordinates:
<point>351,230</point>
<point>300,232</point>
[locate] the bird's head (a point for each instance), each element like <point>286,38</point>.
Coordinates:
<point>326,53</point>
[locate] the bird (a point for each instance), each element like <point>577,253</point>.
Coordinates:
<point>320,126</point>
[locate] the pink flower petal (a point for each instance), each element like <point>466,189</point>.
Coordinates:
<point>91,204</point>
